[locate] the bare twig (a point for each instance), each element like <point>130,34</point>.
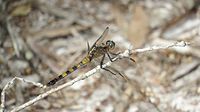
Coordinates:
<point>10,83</point>
<point>125,54</point>
<point>176,44</point>
<point>13,37</point>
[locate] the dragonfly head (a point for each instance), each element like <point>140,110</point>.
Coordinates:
<point>110,44</point>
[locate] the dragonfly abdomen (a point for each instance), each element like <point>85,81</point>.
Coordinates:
<point>85,61</point>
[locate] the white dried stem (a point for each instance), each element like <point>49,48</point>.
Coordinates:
<point>125,54</point>
<point>176,44</point>
<point>10,84</point>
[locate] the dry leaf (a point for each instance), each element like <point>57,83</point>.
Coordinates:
<point>138,27</point>
<point>21,10</point>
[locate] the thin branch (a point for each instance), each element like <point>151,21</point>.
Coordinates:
<point>11,83</point>
<point>13,37</point>
<point>125,54</point>
<point>176,44</point>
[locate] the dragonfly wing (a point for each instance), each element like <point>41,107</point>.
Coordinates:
<point>101,38</point>
<point>88,46</point>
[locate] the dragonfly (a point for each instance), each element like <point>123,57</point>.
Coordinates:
<point>98,49</point>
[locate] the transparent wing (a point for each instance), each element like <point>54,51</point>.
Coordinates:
<point>101,38</point>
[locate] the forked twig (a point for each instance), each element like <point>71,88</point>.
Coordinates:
<point>125,54</point>
<point>10,84</point>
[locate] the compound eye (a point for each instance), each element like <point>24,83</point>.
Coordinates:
<point>108,42</point>
<point>111,44</point>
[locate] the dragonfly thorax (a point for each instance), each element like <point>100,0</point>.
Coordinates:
<point>110,44</point>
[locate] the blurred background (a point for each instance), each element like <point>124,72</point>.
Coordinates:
<point>40,39</point>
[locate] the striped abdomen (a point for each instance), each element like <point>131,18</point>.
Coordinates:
<point>69,71</point>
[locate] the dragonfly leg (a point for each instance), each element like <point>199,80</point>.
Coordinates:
<point>117,72</point>
<point>121,52</point>
<point>115,53</point>
<point>132,60</point>
<point>111,59</point>
<point>101,65</point>
<point>122,75</point>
